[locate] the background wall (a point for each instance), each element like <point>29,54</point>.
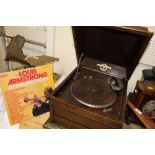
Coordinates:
<point>3,64</point>
<point>64,49</point>
<point>31,33</point>
<point>137,75</point>
<point>58,40</point>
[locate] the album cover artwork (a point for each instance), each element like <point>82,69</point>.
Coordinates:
<point>26,92</point>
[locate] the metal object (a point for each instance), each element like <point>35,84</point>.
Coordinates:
<point>111,74</point>
<point>94,93</point>
<point>116,84</point>
<point>103,67</point>
<point>79,63</point>
<point>26,40</point>
<point>149,109</point>
<point>107,109</point>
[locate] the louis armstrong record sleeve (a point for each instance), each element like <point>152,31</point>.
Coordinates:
<point>26,92</point>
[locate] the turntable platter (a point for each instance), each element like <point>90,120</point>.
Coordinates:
<point>94,93</point>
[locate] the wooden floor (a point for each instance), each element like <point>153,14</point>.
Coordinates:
<point>35,122</point>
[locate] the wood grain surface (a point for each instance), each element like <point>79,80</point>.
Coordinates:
<point>149,124</point>
<point>35,122</point>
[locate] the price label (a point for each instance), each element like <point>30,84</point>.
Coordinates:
<point>138,111</point>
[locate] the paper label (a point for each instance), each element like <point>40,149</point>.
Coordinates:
<point>138,111</point>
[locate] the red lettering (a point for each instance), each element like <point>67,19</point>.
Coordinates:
<point>12,81</point>
<point>27,72</point>
<point>27,75</point>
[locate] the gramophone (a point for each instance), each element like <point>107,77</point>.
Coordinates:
<point>94,94</point>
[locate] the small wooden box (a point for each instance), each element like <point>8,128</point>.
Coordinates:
<point>118,47</point>
<point>143,93</point>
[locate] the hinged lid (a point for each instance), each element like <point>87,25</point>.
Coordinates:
<point>122,46</point>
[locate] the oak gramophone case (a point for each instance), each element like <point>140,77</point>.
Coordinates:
<point>94,94</point>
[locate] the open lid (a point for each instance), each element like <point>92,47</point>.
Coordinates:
<point>122,46</point>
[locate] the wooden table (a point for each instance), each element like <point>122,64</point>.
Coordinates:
<point>148,123</point>
<point>35,122</point>
<point>38,122</point>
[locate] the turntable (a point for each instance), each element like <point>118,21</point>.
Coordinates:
<point>94,94</point>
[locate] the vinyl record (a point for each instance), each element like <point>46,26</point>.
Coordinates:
<point>94,93</point>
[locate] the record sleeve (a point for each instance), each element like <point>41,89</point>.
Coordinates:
<point>26,92</point>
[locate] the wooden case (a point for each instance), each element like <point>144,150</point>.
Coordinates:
<point>118,47</point>
<point>143,93</point>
